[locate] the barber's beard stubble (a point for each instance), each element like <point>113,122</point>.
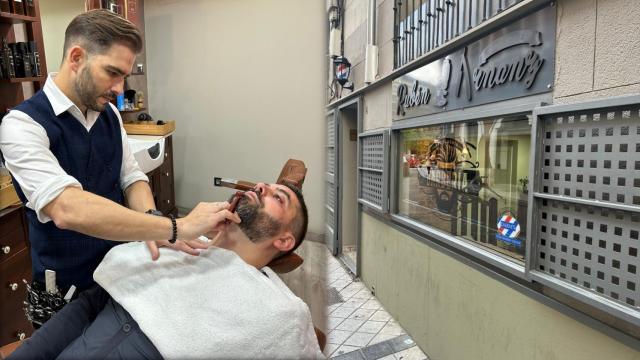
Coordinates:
<point>255,222</point>
<point>87,91</point>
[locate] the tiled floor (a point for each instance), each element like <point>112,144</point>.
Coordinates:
<point>356,321</point>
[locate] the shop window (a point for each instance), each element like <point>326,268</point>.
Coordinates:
<point>469,179</point>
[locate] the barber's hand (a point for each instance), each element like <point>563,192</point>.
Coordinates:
<point>204,219</point>
<point>189,247</point>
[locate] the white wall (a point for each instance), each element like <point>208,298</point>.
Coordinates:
<point>244,82</point>
<point>56,15</point>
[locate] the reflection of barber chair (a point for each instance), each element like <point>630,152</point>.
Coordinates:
<point>293,172</point>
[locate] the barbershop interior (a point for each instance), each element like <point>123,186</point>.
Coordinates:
<point>342,179</point>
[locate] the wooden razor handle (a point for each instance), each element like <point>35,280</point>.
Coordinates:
<point>234,184</point>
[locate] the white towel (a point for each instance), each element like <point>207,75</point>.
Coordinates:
<point>209,306</point>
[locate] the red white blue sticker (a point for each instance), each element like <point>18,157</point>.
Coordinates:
<point>508,229</point>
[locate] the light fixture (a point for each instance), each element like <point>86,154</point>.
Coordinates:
<point>342,70</point>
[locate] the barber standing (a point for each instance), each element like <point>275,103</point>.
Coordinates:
<point>72,167</point>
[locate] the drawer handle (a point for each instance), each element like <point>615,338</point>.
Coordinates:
<point>168,201</point>
<point>166,174</point>
<point>21,335</point>
<point>6,249</point>
<point>166,155</point>
<point>13,286</point>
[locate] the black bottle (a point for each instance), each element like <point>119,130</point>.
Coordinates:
<point>7,56</point>
<point>35,59</point>
<point>23,49</point>
<point>18,64</point>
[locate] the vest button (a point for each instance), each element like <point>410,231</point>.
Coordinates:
<point>126,328</point>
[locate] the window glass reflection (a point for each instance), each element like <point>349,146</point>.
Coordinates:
<point>469,179</point>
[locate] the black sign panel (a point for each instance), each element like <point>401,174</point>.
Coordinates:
<point>515,61</point>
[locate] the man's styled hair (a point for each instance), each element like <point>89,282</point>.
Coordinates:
<point>298,225</point>
<point>97,30</point>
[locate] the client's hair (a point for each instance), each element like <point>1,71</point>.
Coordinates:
<point>298,225</point>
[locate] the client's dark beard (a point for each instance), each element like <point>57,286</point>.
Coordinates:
<point>255,223</point>
<point>87,92</point>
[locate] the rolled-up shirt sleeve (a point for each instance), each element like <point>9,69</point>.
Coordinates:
<point>130,170</point>
<point>25,147</point>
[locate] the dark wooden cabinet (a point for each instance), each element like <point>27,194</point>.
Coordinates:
<point>15,265</point>
<point>161,182</point>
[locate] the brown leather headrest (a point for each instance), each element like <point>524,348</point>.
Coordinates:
<point>293,172</point>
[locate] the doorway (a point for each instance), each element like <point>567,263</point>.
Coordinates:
<point>347,238</point>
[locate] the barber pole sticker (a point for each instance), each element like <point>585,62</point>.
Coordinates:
<point>508,229</point>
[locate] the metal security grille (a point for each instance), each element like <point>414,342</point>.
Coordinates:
<point>423,25</point>
<point>330,176</point>
<point>587,203</point>
<point>373,170</point>
<point>595,248</point>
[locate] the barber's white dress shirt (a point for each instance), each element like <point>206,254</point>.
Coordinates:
<point>25,146</point>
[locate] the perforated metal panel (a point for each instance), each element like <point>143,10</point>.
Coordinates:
<point>373,170</point>
<point>595,248</point>
<point>587,205</point>
<point>593,155</point>
<point>331,185</point>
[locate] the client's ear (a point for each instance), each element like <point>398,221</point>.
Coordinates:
<point>285,241</point>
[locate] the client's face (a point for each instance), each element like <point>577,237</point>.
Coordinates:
<point>256,223</point>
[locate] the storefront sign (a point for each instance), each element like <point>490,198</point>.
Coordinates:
<point>516,61</point>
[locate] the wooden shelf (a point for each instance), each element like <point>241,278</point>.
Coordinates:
<point>132,111</point>
<point>149,128</point>
<point>25,79</point>
<point>10,18</point>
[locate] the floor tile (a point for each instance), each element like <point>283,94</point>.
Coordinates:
<point>392,328</point>
<point>350,325</point>
<point>388,357</point>
<point>363,294</point>
<point>372,327</point>
<point>413,353</point>
<point>338,336</point>
<point>348,353</point>
<point>332,322</point>
<point>381,315</point>
<point>380,338</point>
<point>345,349</point>
<point>343,312</point>
<point>377,351</point>
<point>359,339</point>
<point>355,303</point>
<point>330,348</point>
<point>372,304</point>
<point>362,314</point>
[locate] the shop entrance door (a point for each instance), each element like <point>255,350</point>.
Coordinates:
<point>348,185</point>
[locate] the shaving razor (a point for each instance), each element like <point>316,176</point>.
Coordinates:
<point>234,184</point>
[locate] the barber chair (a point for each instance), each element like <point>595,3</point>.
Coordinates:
<point>293,173</point>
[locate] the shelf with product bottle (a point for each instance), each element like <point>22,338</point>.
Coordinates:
<point>21,43</point>
<point>19,10</point>
<point>23,66</point>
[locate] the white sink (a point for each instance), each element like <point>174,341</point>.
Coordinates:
<point>149,153</point>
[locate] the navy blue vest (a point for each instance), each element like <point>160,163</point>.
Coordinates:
<point>94,158</point>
